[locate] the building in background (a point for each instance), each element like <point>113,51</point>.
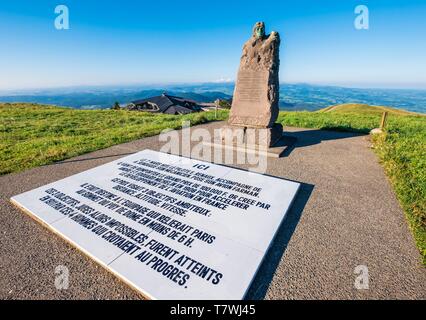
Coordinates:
<point>165,104</point>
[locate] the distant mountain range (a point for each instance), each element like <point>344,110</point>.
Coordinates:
<point>105,99</point>
<point>292,96</point>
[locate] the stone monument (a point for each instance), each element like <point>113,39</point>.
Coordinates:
<point>256,95</point>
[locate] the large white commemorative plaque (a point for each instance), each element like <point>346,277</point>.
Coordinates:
<point>169,226</point>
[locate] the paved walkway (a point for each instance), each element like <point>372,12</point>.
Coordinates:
<point>345,215</point>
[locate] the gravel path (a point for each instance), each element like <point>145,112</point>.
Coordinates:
<point>345,215</point>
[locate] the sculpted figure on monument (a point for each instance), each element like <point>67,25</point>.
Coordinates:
<point>261,52</point>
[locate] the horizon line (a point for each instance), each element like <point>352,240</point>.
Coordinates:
<point>4,92</point>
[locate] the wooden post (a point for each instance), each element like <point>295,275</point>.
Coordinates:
<point>384,119</point>
<point>216,105</point>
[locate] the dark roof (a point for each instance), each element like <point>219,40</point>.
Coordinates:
<point>165,101</point>
<point>178,110</point>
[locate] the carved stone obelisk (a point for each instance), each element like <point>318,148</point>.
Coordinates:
<point>256,95</point>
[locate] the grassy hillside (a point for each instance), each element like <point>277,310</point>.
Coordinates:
<point>33,135</point>
<point>365,109</point>
<point>401,150</point>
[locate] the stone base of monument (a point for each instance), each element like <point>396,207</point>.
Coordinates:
<point>268,142</point>
<point>266,137</point>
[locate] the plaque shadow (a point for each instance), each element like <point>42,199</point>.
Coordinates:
<point>266,271</point>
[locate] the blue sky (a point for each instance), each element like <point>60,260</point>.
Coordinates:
<point>147,42</point>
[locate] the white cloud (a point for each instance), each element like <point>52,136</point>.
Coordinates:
<point>223,80</point>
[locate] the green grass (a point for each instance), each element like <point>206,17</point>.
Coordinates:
<point>401,150</point>
<point>347,117</point>
<point>32,135</point>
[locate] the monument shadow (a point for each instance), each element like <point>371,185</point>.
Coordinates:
<point>306,138</point>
